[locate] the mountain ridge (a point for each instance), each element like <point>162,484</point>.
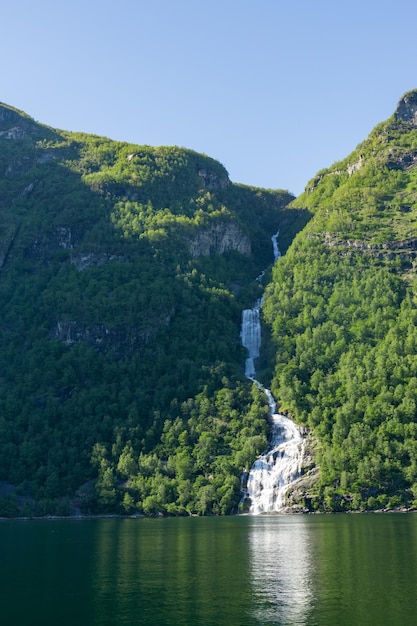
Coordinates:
<point>124,270</point>
<point>342,308</point>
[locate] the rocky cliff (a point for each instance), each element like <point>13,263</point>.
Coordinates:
<point>220,237</point>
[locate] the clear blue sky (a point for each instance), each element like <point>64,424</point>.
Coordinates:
<point>275,90</point>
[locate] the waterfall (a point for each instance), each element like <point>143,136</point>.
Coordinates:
<point>274,471</point>
<point>251,337</point>
<point>277,252</point>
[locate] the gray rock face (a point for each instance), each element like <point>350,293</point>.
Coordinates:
<point>75,332</point>
<point>14,133</point>
<point>85,260</point>
<point>8,115</point>
<point>304,488</point>
<point>219,238</point>
<point>355,167</point>
<point>402,160</point>
<point>49,241</point>
<point>123,340</point>
<point>407,108</point>
<point>212,181</point>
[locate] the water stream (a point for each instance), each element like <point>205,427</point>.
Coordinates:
<point>274,471</point>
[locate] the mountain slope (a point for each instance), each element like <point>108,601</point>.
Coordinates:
<point>123,272</point>
<point>343,311</point>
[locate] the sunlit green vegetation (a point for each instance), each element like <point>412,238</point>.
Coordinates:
<point>121,369</point>
<point>343,311</point>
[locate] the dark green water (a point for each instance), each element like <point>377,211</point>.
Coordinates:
<point>347,570</point>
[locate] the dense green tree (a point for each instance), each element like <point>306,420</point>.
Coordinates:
<point>342,310</point>
<point>116,335</point>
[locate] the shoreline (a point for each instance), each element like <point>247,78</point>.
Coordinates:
<point>103,516</point>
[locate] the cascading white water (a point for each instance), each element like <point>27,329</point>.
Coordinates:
<point>277,252</point>
<point>251,338</point>
<point>274,471</point>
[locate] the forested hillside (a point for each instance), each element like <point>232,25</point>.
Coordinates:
<point>123,273</point>
<point>343,311</point>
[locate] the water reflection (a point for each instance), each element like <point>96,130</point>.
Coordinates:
<point>173,572</point>
<point>367,568</point>
<point>318,570</point>
<point>281,569</point>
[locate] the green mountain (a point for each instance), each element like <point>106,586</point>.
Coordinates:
<point>124,270</point>
<point>123,273</point>
<point>343,312</point>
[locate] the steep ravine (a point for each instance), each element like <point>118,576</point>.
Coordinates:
<point>276,470</point>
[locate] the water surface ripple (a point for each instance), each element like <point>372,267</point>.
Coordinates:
<point>273,570</point>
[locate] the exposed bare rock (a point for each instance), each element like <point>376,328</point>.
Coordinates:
<point>402,160</point>
<point>219,238</point>
<point>122,340</point>
<point>315,181</point>
<point>404,248</point>
<point>212,180</point>
<point>75,332</point>
<point>14,133</point>
<point>303,489</point>
<point>47,242</point>
<point>355,167</point>
<point>27,190</point>
<point>85,260</point>
<point>407,108</point>
<point>351,169</point>
<point>64,236</point>
<point>9,116</point>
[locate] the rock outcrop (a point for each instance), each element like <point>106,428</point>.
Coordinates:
<point>83,261</point>
<point>123,340</point>
<point>406,249</point>
<point>219,238</point>
<point>8,115</point>
<point>212,181</point>
<point>303,490</point>
<point>402,160</point>
<point>407,108</point>
<point>14,133</point>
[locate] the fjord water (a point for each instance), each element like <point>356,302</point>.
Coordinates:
<point>313,570</point>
